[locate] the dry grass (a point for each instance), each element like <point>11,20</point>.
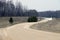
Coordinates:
<point>4,21</point>
<point>51,26</point>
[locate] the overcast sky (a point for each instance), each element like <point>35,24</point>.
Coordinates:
<point>41,5</point>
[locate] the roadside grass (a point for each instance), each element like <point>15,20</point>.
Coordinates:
<point>4,21</point>
<point>51,26</point>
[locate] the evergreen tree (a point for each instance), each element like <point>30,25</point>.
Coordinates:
<point>11,20</point>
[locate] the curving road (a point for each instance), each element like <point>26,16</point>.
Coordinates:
<point>23,32</point>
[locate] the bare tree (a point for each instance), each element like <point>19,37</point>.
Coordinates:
<point>19,9</point>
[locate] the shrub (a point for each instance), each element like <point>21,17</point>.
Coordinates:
<point>11,20</point>
<point>32,19</point>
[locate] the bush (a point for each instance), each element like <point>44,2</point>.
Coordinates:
<point>32,19</point>
<point>11,20</point>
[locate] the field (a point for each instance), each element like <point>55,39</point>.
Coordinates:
<point>4,21</point>
<point>51,26</point>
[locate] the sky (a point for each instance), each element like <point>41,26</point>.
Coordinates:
<point>41,5</point>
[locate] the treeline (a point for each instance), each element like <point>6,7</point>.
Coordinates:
<point>9,9</point>
<point>53,14</point>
